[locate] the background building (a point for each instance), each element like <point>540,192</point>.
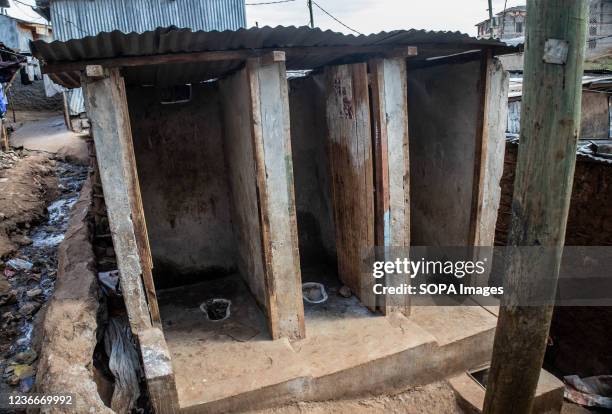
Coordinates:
<point>75,19</point>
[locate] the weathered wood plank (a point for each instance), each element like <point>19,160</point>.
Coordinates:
<point>158,371</point>
<point>351,161</point>
<point>105,101</point>
<point>272,144</point>
<point>390,125</point>
<point>492,163</point>
<point>261,177</point>
<point>137,209</point>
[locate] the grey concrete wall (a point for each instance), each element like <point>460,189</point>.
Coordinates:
<point>311,170</point>
<point>183,179</point>
<point>443,106</point>
<point>243,182</point>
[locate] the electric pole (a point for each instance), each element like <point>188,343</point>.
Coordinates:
<point>310,10</point>
<point>550,123</point>
<point>491,18</point>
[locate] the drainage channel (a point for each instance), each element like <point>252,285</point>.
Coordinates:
<point>31,274</point>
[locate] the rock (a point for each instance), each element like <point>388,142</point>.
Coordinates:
<point>8,299</point>
<point>345,291</point>
<point>32,293</point>
<point>19,264</point>
<point>26,357</point>
<point>5,286</point>
<point>22,240</point>
<point>29,308</point>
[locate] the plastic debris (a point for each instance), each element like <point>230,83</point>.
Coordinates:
<point>590,392</point>
<point>19,264</point>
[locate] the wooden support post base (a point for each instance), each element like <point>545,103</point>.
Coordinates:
<point>158,371</point>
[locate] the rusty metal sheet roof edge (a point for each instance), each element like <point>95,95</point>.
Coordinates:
<point>181,40</point>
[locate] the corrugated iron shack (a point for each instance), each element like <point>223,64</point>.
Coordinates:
<point>224,178</point>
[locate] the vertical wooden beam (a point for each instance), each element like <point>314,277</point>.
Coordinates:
<point>274,169</point>
<point>392,177</point>
<point>482,141</point>
<point>492,153</point>
<point>550,123</point>
<point>158,371</point>
<point>107,109</point>
<point>350,154</point>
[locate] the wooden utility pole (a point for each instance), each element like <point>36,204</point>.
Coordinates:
<point>550,122</point>
<point>310,11</point>
<point>491,18</point>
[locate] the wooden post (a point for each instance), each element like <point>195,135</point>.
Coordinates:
<point>550,121</point>
<point>271,136</point>
<point>157,366</point>
<point>107,107</point>
<point>351,159</point>
<point>391,167</point>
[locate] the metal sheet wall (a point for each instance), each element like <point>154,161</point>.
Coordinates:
<point>74,19</point>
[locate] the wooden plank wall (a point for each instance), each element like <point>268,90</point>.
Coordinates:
<point>494,127</point>
<point>107,109</point>
<point>392,173</point>
<point>263,82</point>
<point>351,162</point>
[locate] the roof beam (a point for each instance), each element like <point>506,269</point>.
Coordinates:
<point>241,54</point>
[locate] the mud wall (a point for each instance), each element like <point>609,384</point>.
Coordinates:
<point>443,108</point>
<point>574,329</point>
<point>589,221</point>
<point>311,170</point>
<point>183,179</point>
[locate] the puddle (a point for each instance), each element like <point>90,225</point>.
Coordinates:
<point>34,284</point>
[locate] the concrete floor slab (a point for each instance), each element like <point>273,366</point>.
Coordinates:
<point>348,351</point>
<point>471,395</point>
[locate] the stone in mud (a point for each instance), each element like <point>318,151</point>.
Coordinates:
<point>32,293</point>
<point>345,292</point>
<point>26,357</point>
<point>21,240</point>
<point>8,299</point>
<point>5,287</point>
<point>29,308</point>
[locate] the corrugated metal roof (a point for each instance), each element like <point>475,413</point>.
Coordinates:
<point>591,150</point>
<point>172,40</point>
<point>77,19</point>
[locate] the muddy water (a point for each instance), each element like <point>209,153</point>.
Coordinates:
<point>32,281</point>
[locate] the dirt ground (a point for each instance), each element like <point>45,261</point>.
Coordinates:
<point>49,135</point>
<point>27,185</point>
<point>435,398</point>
